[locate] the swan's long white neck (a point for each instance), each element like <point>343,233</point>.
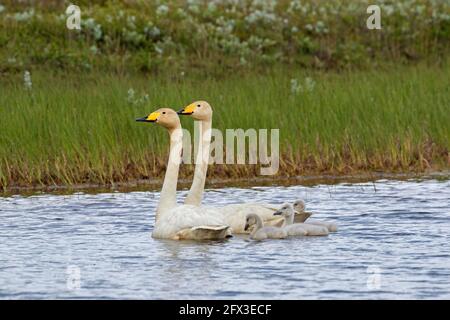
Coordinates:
<point>195,194</point>
<point>168,194</point>
<point>259,224</point>
<point>290,218</point>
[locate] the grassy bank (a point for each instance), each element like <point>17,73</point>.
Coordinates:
<point>219,36</point>
<point>79,128</point>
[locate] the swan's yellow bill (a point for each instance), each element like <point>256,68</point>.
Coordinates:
<point>152,117</point>
<point>187,110</point>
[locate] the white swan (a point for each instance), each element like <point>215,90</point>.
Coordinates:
<point>298,229</point>
<point>183,222</point>
<point>233,214</point>
<point>299,207</point>
<point>254,223</point>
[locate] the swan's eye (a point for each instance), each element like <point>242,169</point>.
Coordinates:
<point>164,112</point>
<point>198,106</point>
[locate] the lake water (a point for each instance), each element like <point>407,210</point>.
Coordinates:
<point>393,242</point>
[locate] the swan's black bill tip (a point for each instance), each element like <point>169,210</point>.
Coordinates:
<point>183,113</point>
<point>144,119</point>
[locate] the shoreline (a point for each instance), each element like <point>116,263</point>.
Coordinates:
<point>183,184</point>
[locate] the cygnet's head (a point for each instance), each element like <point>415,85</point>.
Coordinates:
<point>286,210</point>
<point>250,221</point>
<point>299,206</point>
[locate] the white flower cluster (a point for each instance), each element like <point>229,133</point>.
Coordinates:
<point>162,10</point>
<point>24,16</point>
<point>27,80</point>
<point>93,27</point>
<point>134,100</point>
<point>259,16</point>
<point>253,31</point>
<point>307,86</point>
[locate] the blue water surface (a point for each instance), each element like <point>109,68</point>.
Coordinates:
<point>393,243</point>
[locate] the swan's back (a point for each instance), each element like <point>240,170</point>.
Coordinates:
<point>269,233</point>
<point>332,227</point>
<point>313,230</point>
<point>296,229</point>
<point>234,215</point>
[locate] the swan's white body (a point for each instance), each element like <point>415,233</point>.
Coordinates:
<point>260,232</point>
<point>185,222</point>
<point>299,229</point>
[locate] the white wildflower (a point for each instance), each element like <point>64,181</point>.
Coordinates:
<point>94,49</point>
<point>259,15</point>
<point>295,5</point>
<point>388,9</point>
<point>320,27</point>
<point>130,97</point>
<point>2,8</point>
<point>131,22</point>
<point>162,10</point>
<point>27,80</point>
<point>24,16</point>
<point>193,6</point>
<point>212,7</point>
<point>295,86</point>
<point>152,31</point>
<point>93,27</point>
<point>159,50</point>
<point>310,84</point>
<point>87,65</point>
<point>145,98</point>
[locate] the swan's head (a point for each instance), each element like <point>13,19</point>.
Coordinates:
<point>199,110</point>
<point>250,221</point>
<point>299,206</point>
<point>165,117</point>
<point>286,210</point>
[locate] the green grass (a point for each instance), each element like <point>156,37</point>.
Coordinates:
<point>79,128</point>
<point>228,35</point>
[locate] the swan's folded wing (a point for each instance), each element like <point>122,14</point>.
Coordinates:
<point>203,233</point>
<point>183,222</point>
<point>277,222</point>
<point>217,228</point>
<point>332,227</point>
<point>301,216</point>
